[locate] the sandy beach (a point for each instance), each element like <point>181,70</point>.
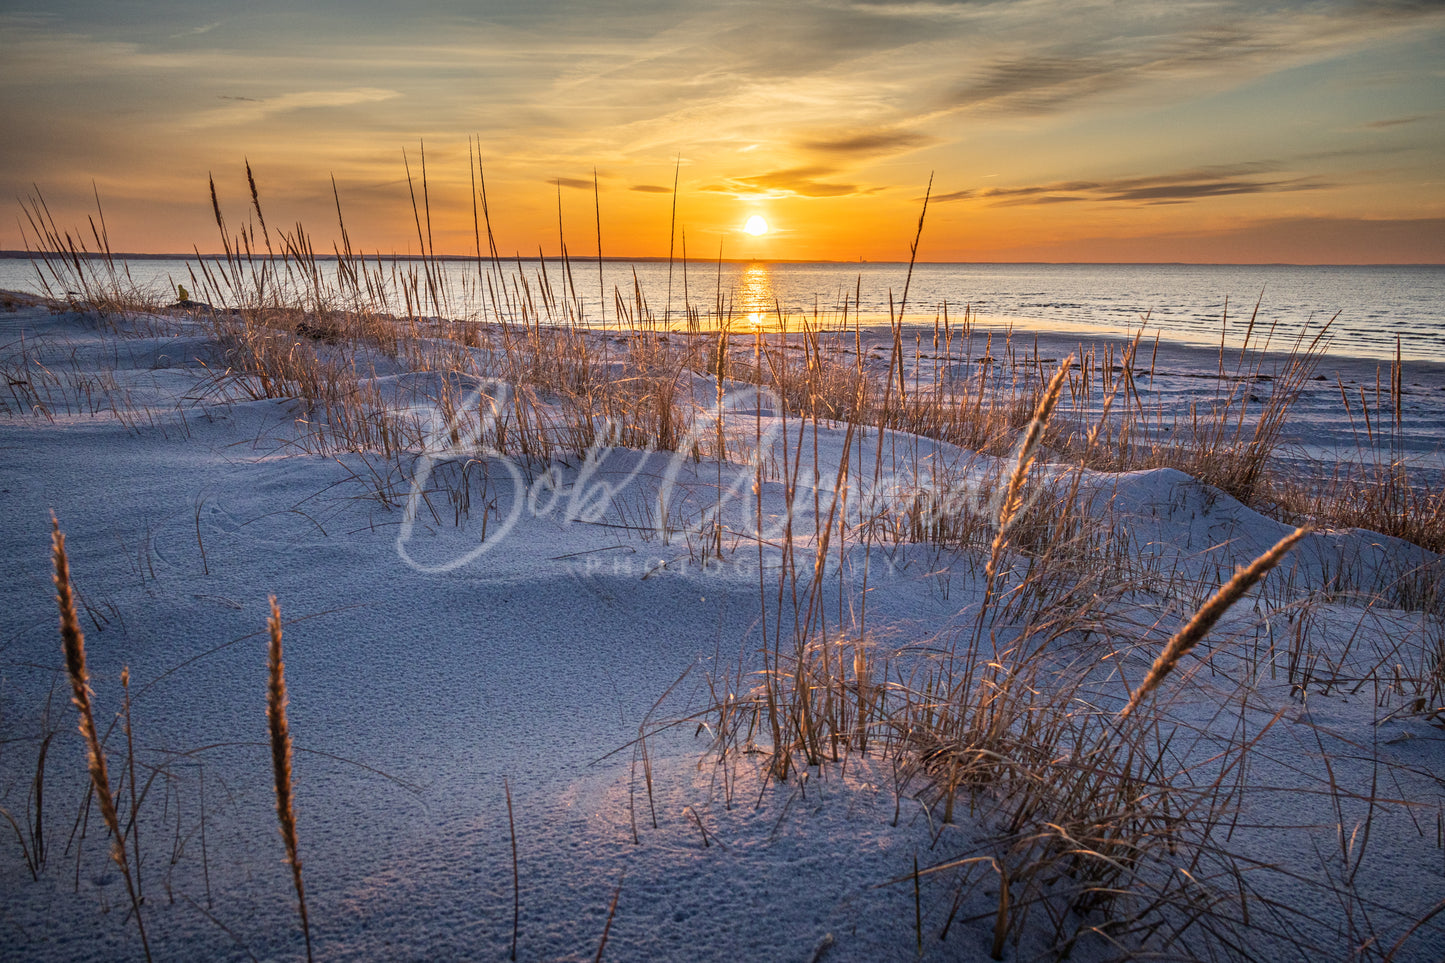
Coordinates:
<point>580,630</point>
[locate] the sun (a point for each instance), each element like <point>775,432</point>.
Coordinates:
<point>756,225</point>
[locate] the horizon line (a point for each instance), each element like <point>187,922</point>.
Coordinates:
<point>657,259</point>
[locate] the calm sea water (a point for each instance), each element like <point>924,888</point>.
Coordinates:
<point>1370,306</point>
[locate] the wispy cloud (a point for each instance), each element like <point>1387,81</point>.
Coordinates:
<point>1135,46</point>
<point>858,143</point>
<point>577,182</point>
<point>1038,85</point>
<point>1396,121</point>
<point>246,110</point>
<point>796,182</point>
<point>197,31</point>
<point>1178,187</point>
<point>650,189</point>
<point>1197,190</point>
<point>951,196</point>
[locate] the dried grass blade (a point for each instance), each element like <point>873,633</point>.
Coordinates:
<point>281,761</point>
<point>1209,613</point>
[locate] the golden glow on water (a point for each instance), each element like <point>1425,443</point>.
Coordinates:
<point>756,300</point>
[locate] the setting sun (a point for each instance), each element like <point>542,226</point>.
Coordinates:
<point>756,225</point>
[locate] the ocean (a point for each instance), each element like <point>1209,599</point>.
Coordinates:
<point>1367,308</point>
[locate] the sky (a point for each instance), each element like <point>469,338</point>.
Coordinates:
<point>1076,130</point>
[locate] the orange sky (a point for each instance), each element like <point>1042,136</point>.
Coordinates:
<point>1068,131</point>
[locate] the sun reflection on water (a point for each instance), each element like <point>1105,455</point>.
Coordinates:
<point>756,298</point>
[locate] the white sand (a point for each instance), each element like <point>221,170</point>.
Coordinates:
<point>537,661</point>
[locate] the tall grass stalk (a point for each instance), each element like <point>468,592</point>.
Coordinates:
<point>1245,578</point>
<point>280,732</point>
<point>1013,495</point>
<point>72,641</point>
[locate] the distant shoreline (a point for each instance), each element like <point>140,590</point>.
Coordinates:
<point>609,259</point>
